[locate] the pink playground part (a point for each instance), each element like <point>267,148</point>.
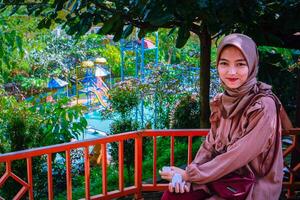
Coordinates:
<point>102,86</point>
<point>147,44</point>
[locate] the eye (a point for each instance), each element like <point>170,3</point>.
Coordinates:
<point>223,63</point>
<point>241,64</point>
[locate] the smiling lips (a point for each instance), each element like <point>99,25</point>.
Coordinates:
<point>232,79</point>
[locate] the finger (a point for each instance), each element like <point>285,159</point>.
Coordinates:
<point>166,178</point>
<point>187,187</point>
<point>170,187</point>
<point>165,173</point>
<point>177,188</point>
<point>182,184</point>
<point>173,168</point>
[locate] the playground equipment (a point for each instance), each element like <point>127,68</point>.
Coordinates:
<point>89,79</point>
<point>139,49</point>
<point>57,86</point>
<point>96,155</point>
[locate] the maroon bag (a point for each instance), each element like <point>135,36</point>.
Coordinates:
<point>233,186</point>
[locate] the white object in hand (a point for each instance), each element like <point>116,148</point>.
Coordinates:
<point>166,169</point>
<point>177,178</point>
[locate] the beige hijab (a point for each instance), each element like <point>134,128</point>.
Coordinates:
<point>234,101</point>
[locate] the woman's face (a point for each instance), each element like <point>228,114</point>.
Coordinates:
<point>232,67</point>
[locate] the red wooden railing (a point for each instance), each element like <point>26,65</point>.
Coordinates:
<point>138,187</point>
<point>291,185</point>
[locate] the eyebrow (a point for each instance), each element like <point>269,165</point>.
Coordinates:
<point>239,60</point>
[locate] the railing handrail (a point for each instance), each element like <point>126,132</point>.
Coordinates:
<point>66,148</point>
<point>89,142</point>
<point>291,131</point>
<point>135,189</point>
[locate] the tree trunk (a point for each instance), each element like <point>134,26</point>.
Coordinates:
<point>205,50</point>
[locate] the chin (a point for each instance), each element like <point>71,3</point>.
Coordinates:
<point>231,86</point>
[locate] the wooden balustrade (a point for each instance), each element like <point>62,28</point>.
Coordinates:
<point>138,187</point>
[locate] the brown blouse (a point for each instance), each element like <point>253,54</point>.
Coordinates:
<point>248,140</point>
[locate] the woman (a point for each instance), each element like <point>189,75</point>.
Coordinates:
<point>245,135</point>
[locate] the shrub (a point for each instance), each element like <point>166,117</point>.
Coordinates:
<point>186,114</point>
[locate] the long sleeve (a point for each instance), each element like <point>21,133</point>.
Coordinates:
<point>259,135</point>
<point>206,151</point>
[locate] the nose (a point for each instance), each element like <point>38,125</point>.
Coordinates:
<point>232,70</point>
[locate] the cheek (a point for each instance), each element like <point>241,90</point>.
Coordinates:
<point>244,75</point>
<point>221,73</point>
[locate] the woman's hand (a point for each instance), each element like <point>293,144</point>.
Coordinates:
<point>180,187</point>
<point>181,172</point>
<point>167,175</point>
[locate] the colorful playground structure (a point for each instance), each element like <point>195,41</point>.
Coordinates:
<point>90,86</point>
<point>139,47</point>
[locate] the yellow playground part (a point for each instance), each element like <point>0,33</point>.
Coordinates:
<point>99,97</point>
<point>96,155</point>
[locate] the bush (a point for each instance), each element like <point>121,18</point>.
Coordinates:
<point>186,114</point>
<point>121,126</point>
<point>124,97</point>
<point>24,126</point>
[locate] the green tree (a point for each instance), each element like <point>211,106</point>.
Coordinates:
<point>10,48</point>
<point>268,22</point>
<point>124,97</point>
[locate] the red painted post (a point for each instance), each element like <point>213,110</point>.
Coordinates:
<point>121,165</point>
<point>190,149</point>
<point>154,161</point>
<point>172,151</point>
<point>29,175</point>
<point>87,172</point>
<point>104,170</point>
<point>69,175</point>
<point>50,179</point>
<point>138,152</point>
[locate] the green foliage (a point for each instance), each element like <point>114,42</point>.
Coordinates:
<point>161,90</point>
<point>122,126</point>
<point>189,55</point>
<point>118,16</point>
<point>24,126</point>
<point>16,126</point>
<point>60,123</point>
<point>124,97</point>
<point>186,113</point>
<point>274,65</point>
<point>10,47</point>
<point>112,55</point>
<point>58,172</point>
<point>78,182</point>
